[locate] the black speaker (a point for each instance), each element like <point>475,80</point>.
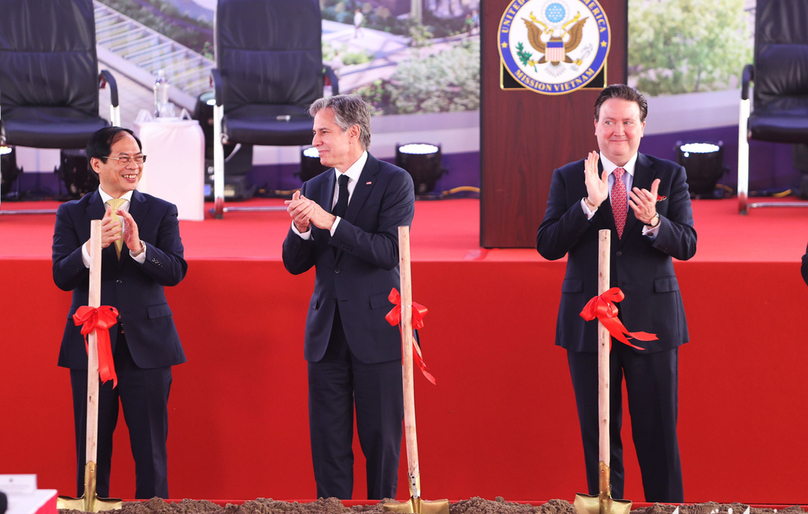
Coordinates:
<point>74,171</point>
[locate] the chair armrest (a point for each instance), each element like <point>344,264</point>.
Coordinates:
<point>216,75</point>
<point>105,77</point>
<point>332,77</point>
<point>747,77</point>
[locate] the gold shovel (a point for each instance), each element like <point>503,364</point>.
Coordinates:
<point>603,503</point>
<point>415,504</point>
<point>90,502</point>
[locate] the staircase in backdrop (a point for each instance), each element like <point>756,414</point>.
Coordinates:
<point>137,52</point>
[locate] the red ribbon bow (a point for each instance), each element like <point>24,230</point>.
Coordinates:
<point>99,319</point>
<point>418,312</point>
<point>603,308</point>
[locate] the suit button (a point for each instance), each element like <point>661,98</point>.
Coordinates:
<point>618,253</point>
<point>336,270</point>
<point>119,281</point>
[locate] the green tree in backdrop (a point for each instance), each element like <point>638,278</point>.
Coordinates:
<point>687,46</point>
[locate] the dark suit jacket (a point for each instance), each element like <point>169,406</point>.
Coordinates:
<point>804,267</point>
<point>136,290</point>
<point>642,268</point>
<point>364,268</point>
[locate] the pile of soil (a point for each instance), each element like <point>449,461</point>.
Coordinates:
<point>472,506</point>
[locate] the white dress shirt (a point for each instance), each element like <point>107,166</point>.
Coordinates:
<point>352,173</point>
<point>628,180</point>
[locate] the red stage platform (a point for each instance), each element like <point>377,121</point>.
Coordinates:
<point>500,422</point>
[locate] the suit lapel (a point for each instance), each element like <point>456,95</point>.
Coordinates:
<point>96,209</point>
<point>364,185</point>
<point>367,179</point>
<point>643,177</point>
<point>643,174</point>
<point>138,209</point>
<point>325,197</point>
<point>606,206</point>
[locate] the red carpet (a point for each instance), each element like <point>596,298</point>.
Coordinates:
<point>500,422</point>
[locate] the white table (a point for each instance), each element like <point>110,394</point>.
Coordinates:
<point>175,168</point>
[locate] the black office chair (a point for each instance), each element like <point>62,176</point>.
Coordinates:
<point>780,77</point>
<point>269,69</point>
<point>49,77</point>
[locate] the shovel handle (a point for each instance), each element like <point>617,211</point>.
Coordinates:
<point>410,433</point>
<point>604,446</point>
<point>93,300</point>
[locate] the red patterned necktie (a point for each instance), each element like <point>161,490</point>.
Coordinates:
<point>619,202</point>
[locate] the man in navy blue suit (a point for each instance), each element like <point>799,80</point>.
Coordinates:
<point>345,224</point>
<point>145,343</point>
<point>654,225</point>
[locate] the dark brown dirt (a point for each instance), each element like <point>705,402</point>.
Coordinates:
<point>472,506</point>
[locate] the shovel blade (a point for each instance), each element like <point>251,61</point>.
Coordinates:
<point>66,502</point>
<point>89,502</point>
<point>597,504</point>
<point>417,506</point>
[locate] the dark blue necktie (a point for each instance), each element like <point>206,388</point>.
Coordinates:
<point>342,198</point>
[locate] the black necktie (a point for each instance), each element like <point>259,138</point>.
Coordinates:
<point>342,198</point>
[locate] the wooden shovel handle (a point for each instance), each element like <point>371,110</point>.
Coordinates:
<point>604,244</point>
<point>93,300</point>
<point>406,355</point>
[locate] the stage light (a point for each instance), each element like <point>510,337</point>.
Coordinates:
<point>704,163</point>
<point>423,162</point>
<point>8,168</point>
<point>310,165</point>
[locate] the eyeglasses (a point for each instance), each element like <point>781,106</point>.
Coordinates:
<point>125,159</point>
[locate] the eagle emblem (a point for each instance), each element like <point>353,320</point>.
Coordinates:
<point>554,47</point>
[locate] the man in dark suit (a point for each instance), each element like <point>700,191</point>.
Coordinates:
<point>804,267</point>
<point>646,204</point>
<point>142,253</point>
<point>345,223</point>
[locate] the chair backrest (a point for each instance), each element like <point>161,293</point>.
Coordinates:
<point>781,50</point>
<point>47,54</point>
<point>269,52</point>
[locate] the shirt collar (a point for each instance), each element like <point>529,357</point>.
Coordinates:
<point>610,166</point>
<point>356,168</point>
<point>105,197</point>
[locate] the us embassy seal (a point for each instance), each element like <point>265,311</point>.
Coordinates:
<point>554,46</point>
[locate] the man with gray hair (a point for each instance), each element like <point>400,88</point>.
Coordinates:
<point>345,224</point>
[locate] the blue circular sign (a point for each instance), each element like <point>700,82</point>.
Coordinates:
<point>554,47</point>
<point>555,12</point>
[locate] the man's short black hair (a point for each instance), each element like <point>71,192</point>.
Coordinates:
<point>100,143</point>
<point>622,92</point>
